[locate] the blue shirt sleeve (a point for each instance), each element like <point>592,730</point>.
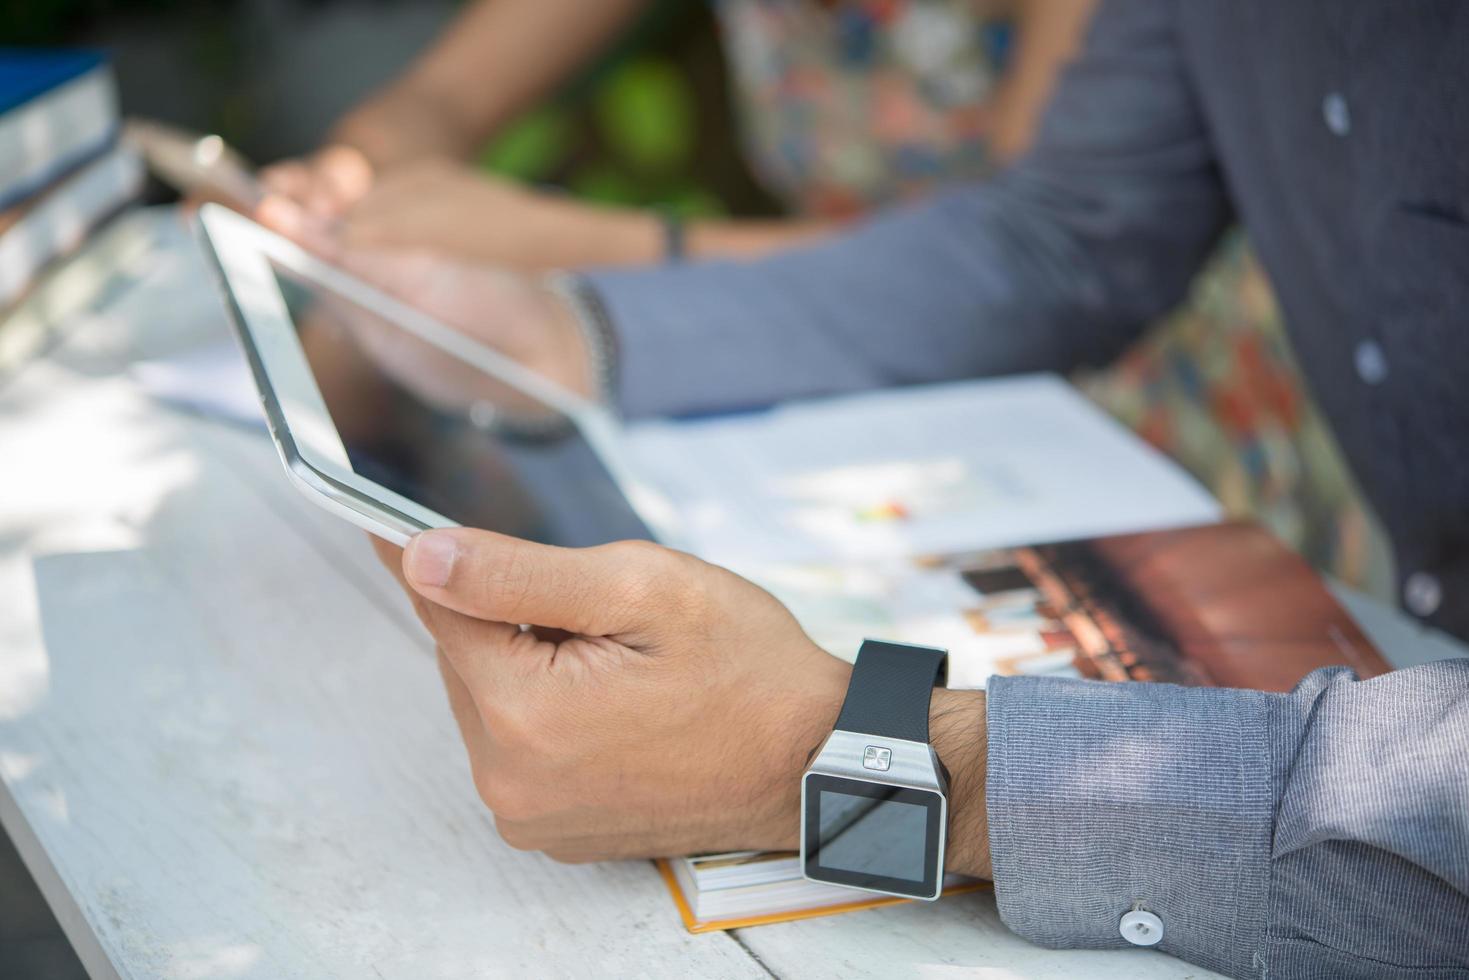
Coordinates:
<point>1054,263</point>
<point>1323,833</point>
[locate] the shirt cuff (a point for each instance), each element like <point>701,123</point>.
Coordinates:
<point>670,361</point>
<point>718,336</point>
<point>1104,798</point>
<point>591,319</point>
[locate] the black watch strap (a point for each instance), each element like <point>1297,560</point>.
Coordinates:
<point>890,690</point>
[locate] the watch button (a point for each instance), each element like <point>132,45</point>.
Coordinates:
<point>877,757</point>
<point>1141,928</point>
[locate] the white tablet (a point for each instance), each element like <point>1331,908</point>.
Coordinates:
<point>399,423</point>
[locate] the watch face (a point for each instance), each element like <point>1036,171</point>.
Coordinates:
<point>866,835</point>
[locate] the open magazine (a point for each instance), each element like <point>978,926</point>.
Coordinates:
<point>1223,605</point>
<point>1226,605</point>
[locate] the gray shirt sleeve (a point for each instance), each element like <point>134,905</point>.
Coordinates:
<point>1056,262</point>
<point>1323,833</point>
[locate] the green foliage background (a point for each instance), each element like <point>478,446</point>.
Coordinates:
<point>648,124</point>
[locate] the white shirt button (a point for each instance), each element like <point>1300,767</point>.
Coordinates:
<point>1371,362</point>
<point>1422,594</point>
<point>1141,928</point>
<point>1336,113</point>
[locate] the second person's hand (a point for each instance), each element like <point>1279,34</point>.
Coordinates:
<point>446,206</point>
<point>510,312</point>
<point>324,185</point>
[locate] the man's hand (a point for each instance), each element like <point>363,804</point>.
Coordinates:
<point>661,705</point>
<point>672,713</point>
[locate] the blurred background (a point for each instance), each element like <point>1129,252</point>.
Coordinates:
<point>649,122</point>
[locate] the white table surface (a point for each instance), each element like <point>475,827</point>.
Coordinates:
<point>225,752</point>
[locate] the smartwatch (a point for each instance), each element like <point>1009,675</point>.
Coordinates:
<point>875,800</point>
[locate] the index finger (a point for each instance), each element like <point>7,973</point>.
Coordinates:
<point>477,650</point>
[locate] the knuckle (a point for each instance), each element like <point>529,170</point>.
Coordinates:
<point>519,836</point>
<point>515,805</point>
<point>515,725</point>
<point>487,787</point>
<point>424,610</point>
<point>636,548</point>
<point>644,569</point>
<point>699,594</point>
<point>506,798</point>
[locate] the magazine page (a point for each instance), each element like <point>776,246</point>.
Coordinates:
<point>1222,604</point>
<point>908,471</point>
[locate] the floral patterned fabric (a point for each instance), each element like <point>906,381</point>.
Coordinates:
<point>1215,386</point>
<point>851,104</point>
<point>847,105</point>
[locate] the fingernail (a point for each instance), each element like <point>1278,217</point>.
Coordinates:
<point>430,559</point>
<point>275,211</point>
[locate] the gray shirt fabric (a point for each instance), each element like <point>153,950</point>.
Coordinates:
<point>1323,833</point>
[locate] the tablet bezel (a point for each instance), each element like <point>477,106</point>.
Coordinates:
<point>305,437</point>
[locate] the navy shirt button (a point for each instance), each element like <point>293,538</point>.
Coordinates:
<point>1422,594</point>
<point>1371,362</point>
<point>1336,113</point>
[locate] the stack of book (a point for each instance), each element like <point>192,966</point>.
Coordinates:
<point>63,170</point>
<point>751,888</point>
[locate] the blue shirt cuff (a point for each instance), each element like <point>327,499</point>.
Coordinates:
<point>1104,798</point>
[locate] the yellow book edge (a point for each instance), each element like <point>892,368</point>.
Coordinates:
<point>693,925</point>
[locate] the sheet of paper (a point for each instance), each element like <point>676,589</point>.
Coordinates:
<point>211,380</point>
<point>911,471</point>
<point>924,601</point>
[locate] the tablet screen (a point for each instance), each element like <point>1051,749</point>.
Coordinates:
<point>443,433</point>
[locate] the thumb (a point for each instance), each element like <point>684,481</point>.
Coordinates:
<point>602,591</point>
